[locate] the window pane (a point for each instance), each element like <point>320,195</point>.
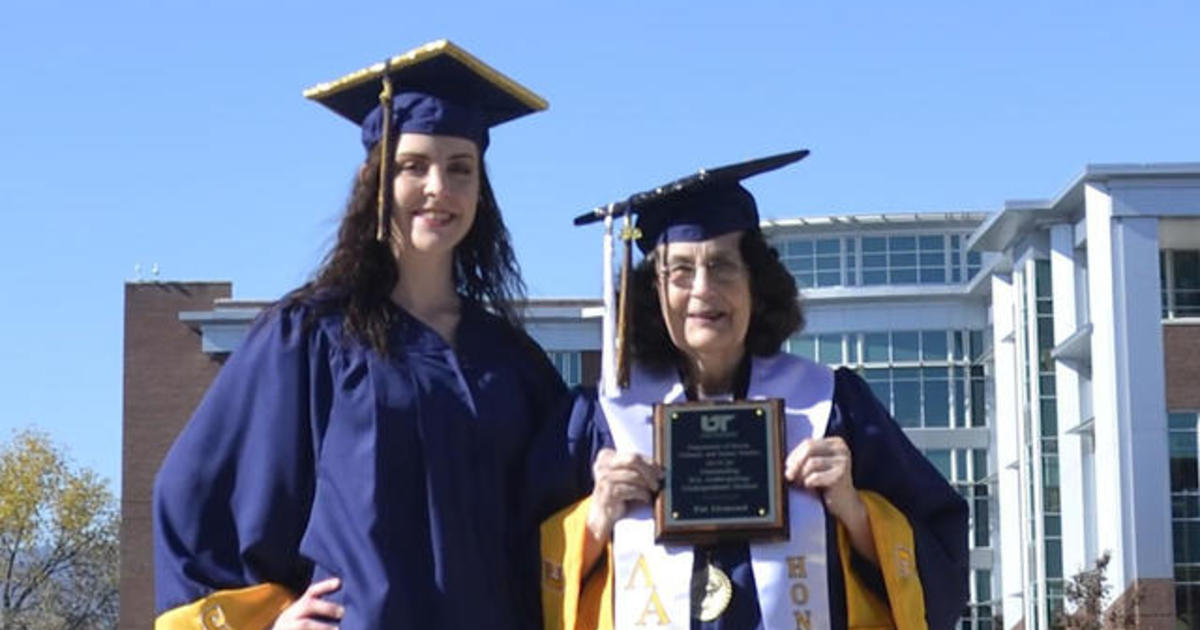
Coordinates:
<point>904,346</point>
<point>828,263</point>
<point>933,276</point>
<point>830,349</point>
<point>829,246</point>
<point>876,347</point>
<point>902,243</point>
<point>908,403</point>
<point>803,345</point>
<point>799,264</point>
<point>937,405</point>
<point>1187,269</point>
<point>932,259</point>
<point>933,345</point>
<point>874,244</point>
<point>829,278</point>
<point>940,460</point>
<point>902,260</point>
<point>874,277</point>
<point>880,382</point>
<point>874,260</point>
<point>932,242</point>
<point>800,248</point>
<point>904,276</point>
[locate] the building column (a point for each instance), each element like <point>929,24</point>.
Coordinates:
<point>1005,426</point>
<point>1066,375</point>
<point>1132,457</point>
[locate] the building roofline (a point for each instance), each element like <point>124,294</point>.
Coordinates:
<point>999,230</point>
<point>851,221</point>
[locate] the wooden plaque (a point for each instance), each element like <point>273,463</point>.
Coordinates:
<point>724,471</point>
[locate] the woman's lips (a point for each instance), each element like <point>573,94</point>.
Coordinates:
<point>434,218</point>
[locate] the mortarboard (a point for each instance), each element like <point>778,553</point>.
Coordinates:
<point>698,207</point>
<point>437,88</point>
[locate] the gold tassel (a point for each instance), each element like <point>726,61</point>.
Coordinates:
<point>629,234</point>
<point>385,157</point>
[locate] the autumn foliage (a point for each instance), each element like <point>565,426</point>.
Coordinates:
<point>58,540</point>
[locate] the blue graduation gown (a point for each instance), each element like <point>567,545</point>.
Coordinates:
<point>312,456</point>
<point>884,462</point>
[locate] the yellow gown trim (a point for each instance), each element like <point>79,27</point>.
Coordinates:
<point>572,600</point>
<point>905,605</point>
<point>250,608</point>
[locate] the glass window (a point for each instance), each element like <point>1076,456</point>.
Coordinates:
<point>929,242</point>
<point>940,460</point>
<point>904,276</point>
<point>937,401</point>
<point>800,248</point>
<point>933,345</point>
<point>803,345</point>
<point>905,346</point>
<point>830,349</point>
<point>880,382</point>
<point>933,276</point>
<point>902,243</point>
<point>569,366</point>
<point>874,244</point>
<point>829,246</point>
<point>876,347</point>
<point>907,395</point>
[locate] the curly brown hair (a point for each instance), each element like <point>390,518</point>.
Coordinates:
<point>357,276</point>
<point>775,312</point>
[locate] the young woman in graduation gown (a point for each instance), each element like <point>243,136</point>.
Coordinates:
<point>713,304</point>
<point>358,461</point>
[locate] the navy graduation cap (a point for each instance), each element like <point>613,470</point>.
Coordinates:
<point>437,89</point>
<point>695,208</point>
<point>698,207</point>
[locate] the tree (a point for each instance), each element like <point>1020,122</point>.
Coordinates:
<point>1085,593</point>
<point>58,540</point>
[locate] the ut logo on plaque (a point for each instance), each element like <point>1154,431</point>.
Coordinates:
<point>715,422</point>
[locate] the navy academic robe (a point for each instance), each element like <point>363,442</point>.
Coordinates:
<point>884,462</point>
<point>313,456</point>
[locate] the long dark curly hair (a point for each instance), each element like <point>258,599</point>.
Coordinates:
<point>775,312</point>
<point>357,276</point>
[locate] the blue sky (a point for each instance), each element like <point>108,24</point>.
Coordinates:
<point>174,133</point>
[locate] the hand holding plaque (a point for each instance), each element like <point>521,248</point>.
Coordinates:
<point>724,471</point>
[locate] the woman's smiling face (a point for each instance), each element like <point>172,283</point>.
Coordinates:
<point>435,192</point>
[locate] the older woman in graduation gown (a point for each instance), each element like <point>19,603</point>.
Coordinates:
<point>713,304</point>
<point>358,461</point>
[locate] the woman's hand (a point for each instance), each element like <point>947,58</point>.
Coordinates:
<point>299,615</point>
<point>825,465</point>
<point>620,478</point>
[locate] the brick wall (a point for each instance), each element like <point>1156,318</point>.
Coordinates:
<point>1181,345</point>
<point>165,376</point>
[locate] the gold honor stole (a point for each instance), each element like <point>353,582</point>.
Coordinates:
<point>249,608</point>
<point>652,582</point>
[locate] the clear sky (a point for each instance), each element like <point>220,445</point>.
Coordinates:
<point>173,132</point>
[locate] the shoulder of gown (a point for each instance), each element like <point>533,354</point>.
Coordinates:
<point>233,494</point>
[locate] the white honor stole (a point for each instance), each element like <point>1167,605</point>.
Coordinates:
<point>652,582</point>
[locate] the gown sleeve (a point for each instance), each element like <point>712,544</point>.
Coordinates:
<point>919,521</point>
<point>232,498</point>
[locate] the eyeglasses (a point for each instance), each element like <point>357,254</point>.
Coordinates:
<point>720,271</point>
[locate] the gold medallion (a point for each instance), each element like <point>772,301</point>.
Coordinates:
<point>711,593</point>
